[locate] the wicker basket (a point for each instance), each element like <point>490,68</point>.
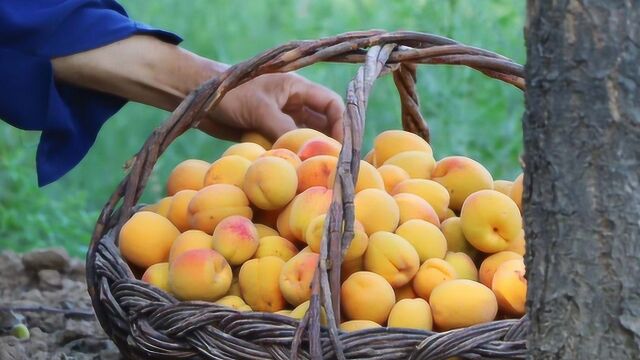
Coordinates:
<point>147,323</point>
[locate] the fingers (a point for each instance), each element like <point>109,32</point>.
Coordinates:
<point>322,101</point>
<point>221,131</point>
<point>274,122</point>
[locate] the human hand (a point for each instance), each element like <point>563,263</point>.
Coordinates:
<point>273,104</point>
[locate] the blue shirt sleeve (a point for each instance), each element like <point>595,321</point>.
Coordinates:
<point>32,32</point>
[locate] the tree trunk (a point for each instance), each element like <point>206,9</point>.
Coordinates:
<point>582,178</point>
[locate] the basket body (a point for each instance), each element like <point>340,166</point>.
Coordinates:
<point>147,323</point>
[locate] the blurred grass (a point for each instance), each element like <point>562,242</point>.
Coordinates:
<point>468,113</point>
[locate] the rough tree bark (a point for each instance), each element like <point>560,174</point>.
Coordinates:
<point>582,178</point>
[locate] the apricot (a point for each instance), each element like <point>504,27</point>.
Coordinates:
<point>189,240</point>
<point>234,302</point>
<point>158,276</point>
<point>234,289</point>
<point>461,176</point>
<point>247,150</point>
<point>519,245</point>
<point>256,138</point>
<point>146,238</point>
<point>284,229</point>
<point>319,146</point>
<point>367,296</point>
<point>235,238</point>
<point>461,303</point>
<point>450,213</point>
<point>285,312</point>
<point>414,207</point>
<point>490,221</point>
<point>491,263</point>
<point>376,211</point>
<point>368,178</point>
<point>425,238</point>
<point>356,249</point>
<point>270,183</point>
<point>275,246</point>
<point>370,157</point>
<point>215,202</point>
<point>392,257</point>
<point>188,175</point>
<point>300,311</point>
<point>412,314</point>
<point>510,287</point>
<point>456,242</point>
<point>418,164</point>
<point>432,192</point>
<point>355,325</point>
<point>516,191</point>
<point>503,186</point>
<point>405,292</point>
<point>284,154</point>
<point>432,273</point>
<point>259,284</point>
<point>230,169</point>
<point>178,212</point>
<point>294,139</point>
<point>264,230</point>
<point>316,171</point>
<point>465,268</point>
<point>392,142</point>
<point>306,206</point>
<point>200,274</point>
<point>351,266</point>
<point>391,176</point>
<point>296,276</point>
<point>161,207</point>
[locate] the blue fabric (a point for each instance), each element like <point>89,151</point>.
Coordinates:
<point>31,33</point>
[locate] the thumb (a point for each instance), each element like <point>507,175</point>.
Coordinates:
<point>272,122</point>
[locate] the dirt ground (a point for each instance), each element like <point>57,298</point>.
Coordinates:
<point>49,278</point>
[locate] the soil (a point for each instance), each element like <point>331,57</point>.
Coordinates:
<point>49,278</point>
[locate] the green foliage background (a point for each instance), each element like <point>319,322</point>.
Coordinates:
<point>468,113</point>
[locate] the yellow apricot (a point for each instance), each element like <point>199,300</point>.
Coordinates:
<point>264,230</point>
<point>319,146</point>
<point>461,176</point>
<point>355,325</point>
<point>234,302</point>
<point>391,176</point>
<point>516,191</point>
<point>519,245</point>
<point>368,178</point>
<point>414,207</point>
<point>188,175</point>
<point>161,207</point>
<point>452,231</point>
<point>503,186</point>
<point>247,150</point>
<point>432,192</point>
<point>418,164</point>
<point>392,142</point>
<point>300,311</point>
<point>256,138</point>
<point>465,268</point>
<point>306,206</point>
<point>412,314</point>
<point>189,240</point>
<point>367,296</point>
<point>426,239</point>
<point>146,238</point>
<point>405,292</point>
<point>235,238</point>
<point>370,157</point>
<point>215,202</point>
<point>490,221</point>
<point>284,154</point>
<point>461,303</point>
<point>276,246</point>
<point>284,229</point>
<point>376,211</point>
<point>296,276</point>
<point>230,169</point>
<point>294,139</point>
<point>351,266</point>
<point>259,284</point>
<point>510,286</point>
<point>178,212</point>
<point>270,183</point>
<point>316,171</point>
<point>158,276</point>
<point>432,273</point>
<point>355,250</point>
<point>491,263</point>
<point>392,257</point>
<point>200,274</point>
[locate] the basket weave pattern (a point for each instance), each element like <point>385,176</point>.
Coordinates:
<point>147,323</point>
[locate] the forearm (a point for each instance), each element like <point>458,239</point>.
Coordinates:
<point>140,68</point>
